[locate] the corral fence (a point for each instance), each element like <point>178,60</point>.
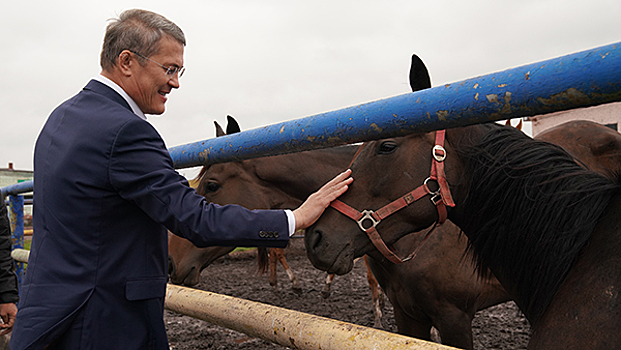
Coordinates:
<point>577,80</point>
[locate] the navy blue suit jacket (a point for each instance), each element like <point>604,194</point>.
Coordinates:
<point>105,193</point>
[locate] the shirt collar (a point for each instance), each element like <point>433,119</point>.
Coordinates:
<point>100,78</point>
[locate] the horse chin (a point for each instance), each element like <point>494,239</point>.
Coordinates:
<point>343,264</point>
<point>339,263</point>
<point>189,279</point>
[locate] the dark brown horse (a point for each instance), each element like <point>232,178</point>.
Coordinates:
<point>596,146</point>
<point>549,229</point>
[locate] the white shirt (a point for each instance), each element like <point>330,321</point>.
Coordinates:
<point>134,106</point>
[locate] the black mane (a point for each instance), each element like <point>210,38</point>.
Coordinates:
<point>529,212</point>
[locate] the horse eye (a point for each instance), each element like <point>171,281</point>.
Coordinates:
<point>387,147</point>
<point>212,187</point>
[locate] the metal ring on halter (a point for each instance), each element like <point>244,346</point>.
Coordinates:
<point>367,214</point>
<point>436,196</point>
<point>438,157</point>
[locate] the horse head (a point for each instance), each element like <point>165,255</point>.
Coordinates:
<point>226,183</point>
<point>384,171</point>
<point>186,261</point>
<point>388,171</point>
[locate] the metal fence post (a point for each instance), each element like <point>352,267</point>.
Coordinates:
<point>16,209</point>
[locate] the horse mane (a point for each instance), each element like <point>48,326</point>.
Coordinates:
<point>529,212</point>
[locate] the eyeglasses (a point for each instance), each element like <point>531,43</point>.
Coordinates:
<point>170,71</point>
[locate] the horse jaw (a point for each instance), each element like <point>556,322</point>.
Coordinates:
<point>186,275</point>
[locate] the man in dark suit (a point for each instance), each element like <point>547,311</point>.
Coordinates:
<point>105,192</point>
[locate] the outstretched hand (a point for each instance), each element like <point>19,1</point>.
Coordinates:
<point>316,203</point>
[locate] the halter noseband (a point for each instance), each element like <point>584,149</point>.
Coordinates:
<point>440,198</point>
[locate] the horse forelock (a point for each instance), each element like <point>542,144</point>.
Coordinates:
<point>530,210</point>
<point>200,188</point>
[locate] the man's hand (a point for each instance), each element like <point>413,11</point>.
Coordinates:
<point>313,207</point>
<point>8,312</point>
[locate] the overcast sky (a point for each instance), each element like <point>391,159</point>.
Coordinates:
<point>269,61</point>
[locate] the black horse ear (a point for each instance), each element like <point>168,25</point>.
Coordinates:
<point>219,131</point>
<point>232,126</point>
<point>419,76</point>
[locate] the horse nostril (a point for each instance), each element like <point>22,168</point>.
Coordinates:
<point>313,239</point>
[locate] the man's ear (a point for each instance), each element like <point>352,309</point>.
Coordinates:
<point>126,62</point>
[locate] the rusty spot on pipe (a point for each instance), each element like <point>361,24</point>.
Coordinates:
<point>506,109</point>
<point>442,115</point>
<point>571,94</point>
<point>492,98</point>
<point>204,154</point>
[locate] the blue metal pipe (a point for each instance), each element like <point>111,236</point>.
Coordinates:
<point>17,188</point>
<point>582,79</point>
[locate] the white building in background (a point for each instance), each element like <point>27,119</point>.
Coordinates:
<point>607,114</point>
<point>10,176</point>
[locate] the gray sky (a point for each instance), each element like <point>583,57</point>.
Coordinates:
<point>269,61</point>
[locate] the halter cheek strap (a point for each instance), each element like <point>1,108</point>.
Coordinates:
<point>437,170</point>
<point>368,220</point>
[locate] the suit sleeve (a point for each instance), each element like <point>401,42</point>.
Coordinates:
<point>8,279</point>
<point>141,171</point>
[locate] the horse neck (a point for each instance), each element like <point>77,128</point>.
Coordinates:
<point>298,175</point>
<point>528,213</point>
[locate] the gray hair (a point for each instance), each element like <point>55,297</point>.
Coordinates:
<point>139,31</point>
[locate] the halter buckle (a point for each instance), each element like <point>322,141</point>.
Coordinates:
<point>436,197</point>
<point>439,153</point>
<point>367,215</point>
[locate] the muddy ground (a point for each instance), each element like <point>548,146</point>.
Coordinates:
<point>499,327</point>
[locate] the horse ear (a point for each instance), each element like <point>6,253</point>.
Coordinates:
<point>219,131</point>
<point>232,126</point>
<point>419,76</point>
<point>518,126</point>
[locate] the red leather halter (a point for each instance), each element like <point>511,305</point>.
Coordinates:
<point>440,198</point>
